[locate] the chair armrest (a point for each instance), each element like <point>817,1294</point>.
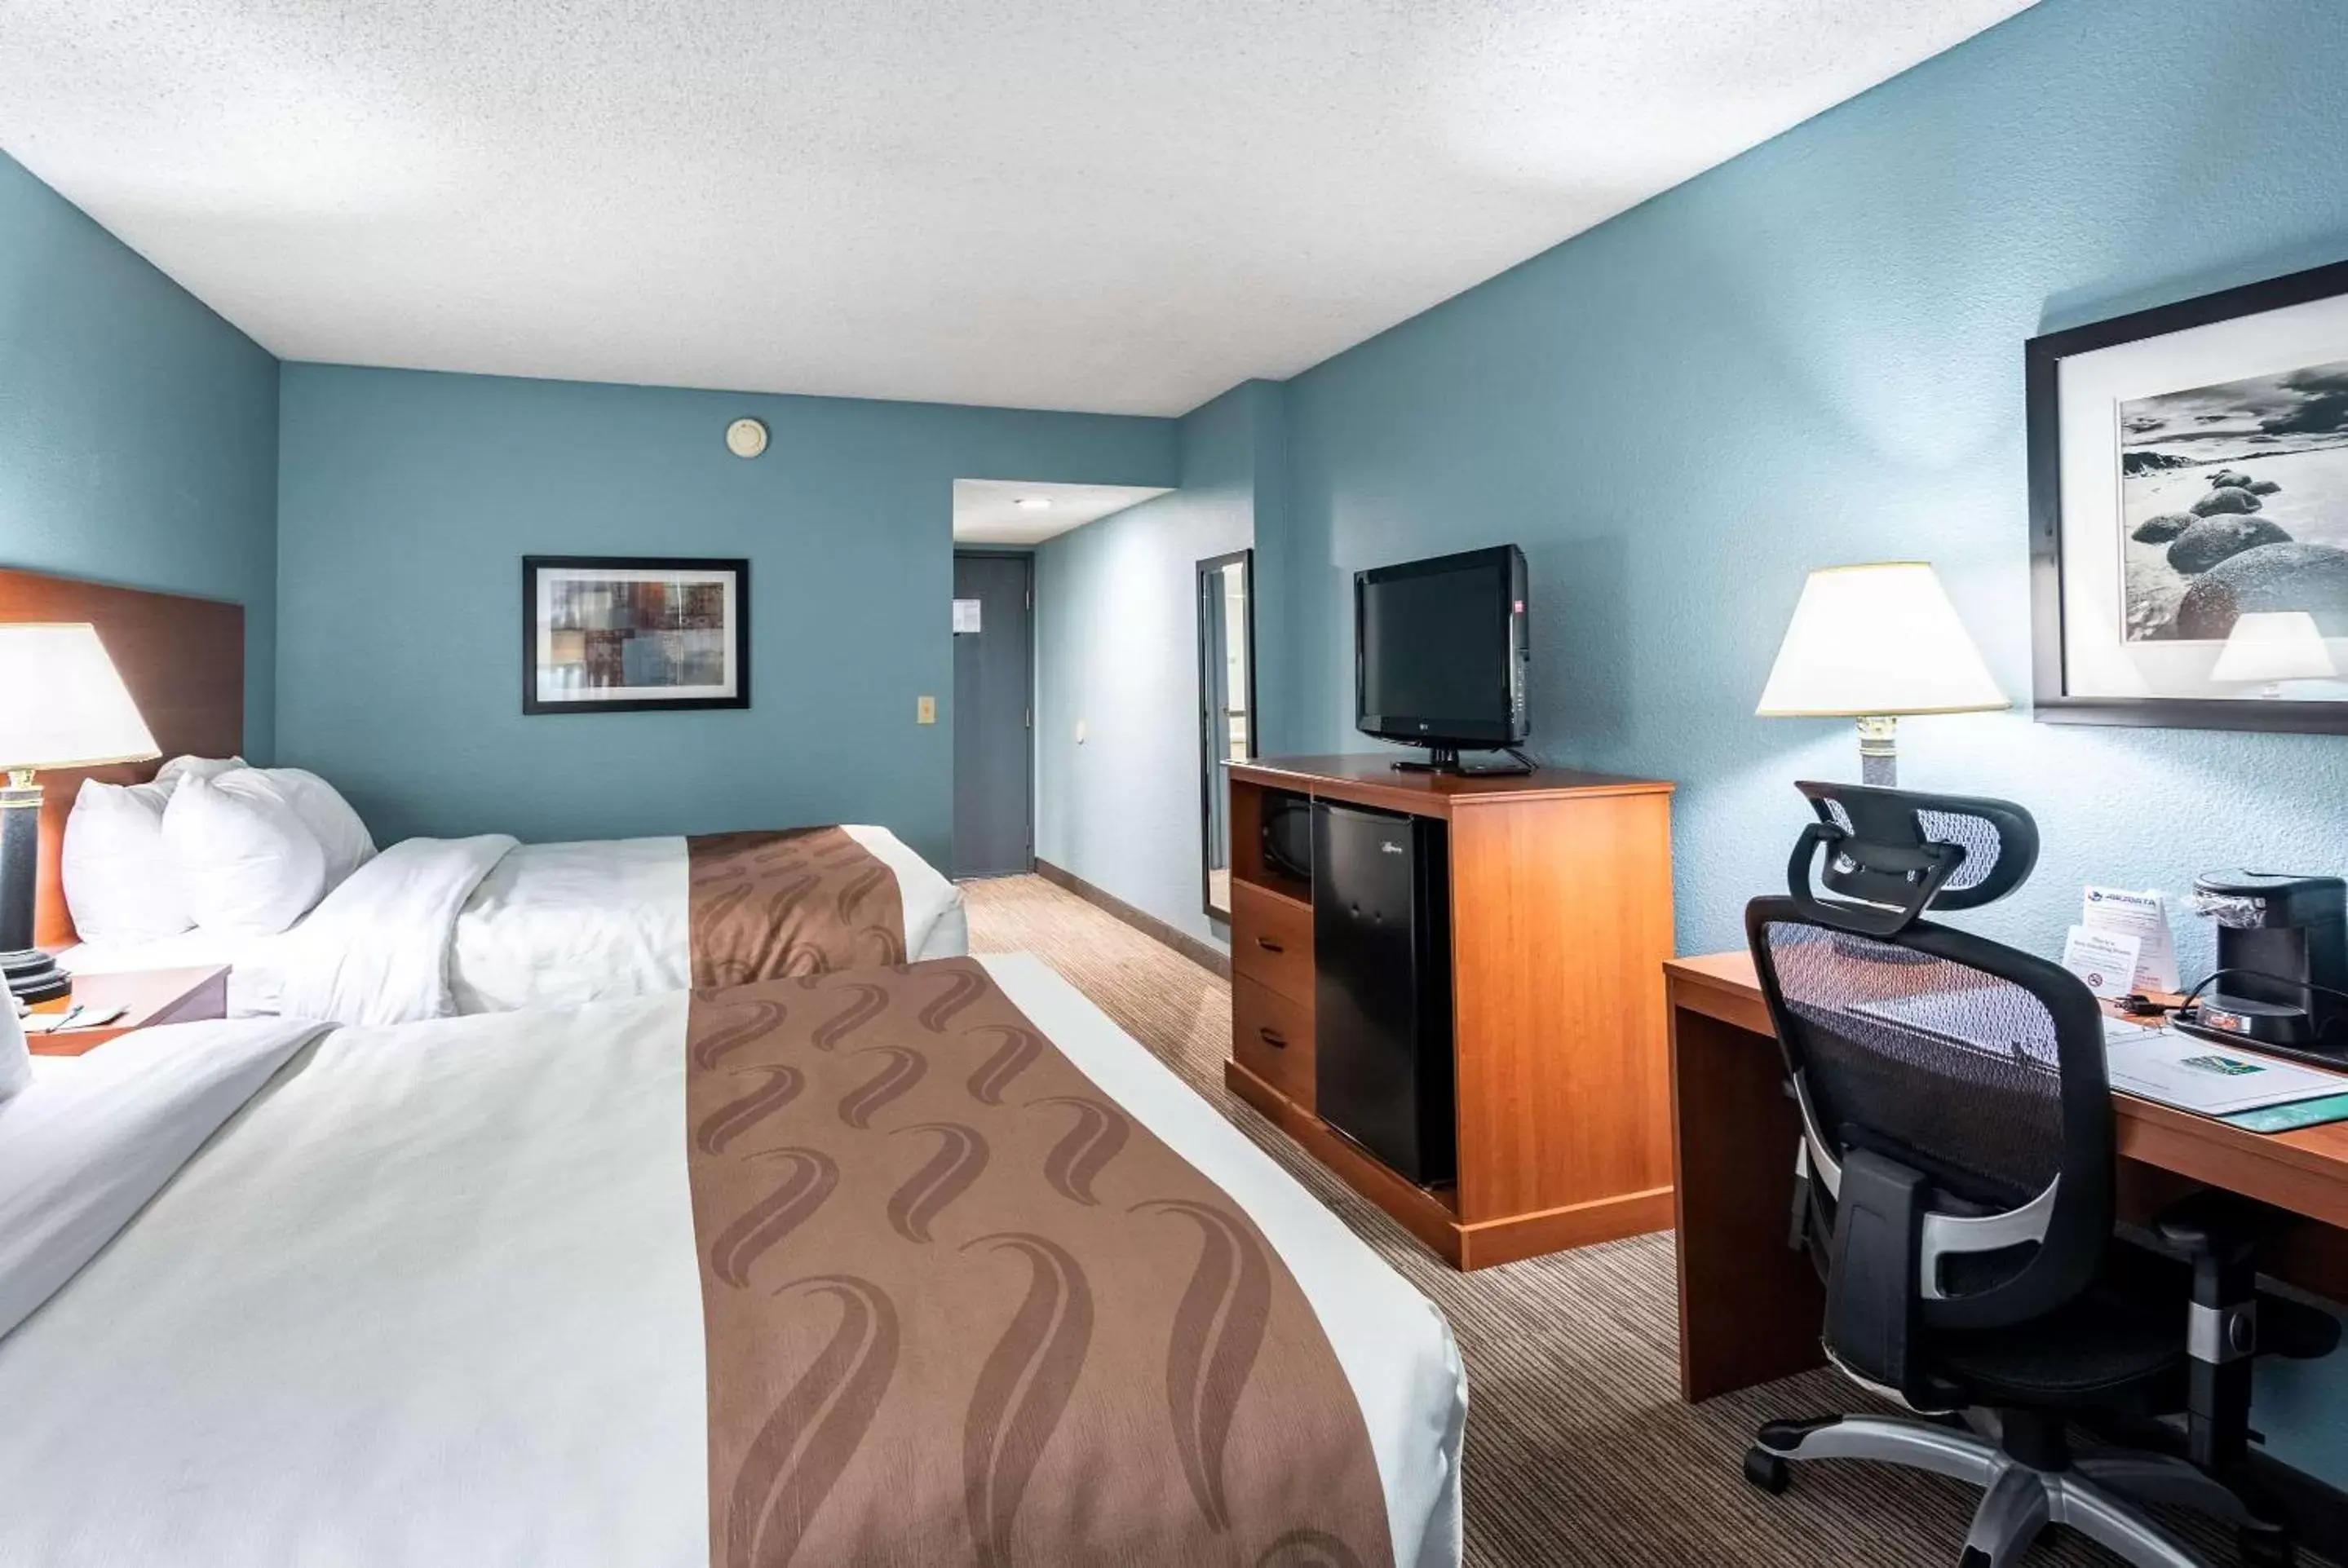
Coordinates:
<point>2217,1225</point>
<point>2218,1232</point>
<point>1873,1271</point>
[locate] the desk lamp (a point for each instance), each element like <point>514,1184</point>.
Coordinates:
<point>1870,643</point>
<point>64,707</point>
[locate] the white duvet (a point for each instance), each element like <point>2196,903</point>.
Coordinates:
<point>431,1297</point>
<point>434,927</point>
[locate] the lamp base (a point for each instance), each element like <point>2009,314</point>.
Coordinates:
<point>1879,751</point>
<point>33,977</point>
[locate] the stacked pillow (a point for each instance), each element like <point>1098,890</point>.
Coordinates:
<point>239,851</point>
<point>117,886</point>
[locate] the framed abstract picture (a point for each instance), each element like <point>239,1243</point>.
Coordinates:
<point>2189,496</point>
<point>618,634</point>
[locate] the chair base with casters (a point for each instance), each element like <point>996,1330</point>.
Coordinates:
<point>2157,1351</point>
<point>2029,1479</point>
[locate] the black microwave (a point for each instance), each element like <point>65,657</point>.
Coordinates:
<point>1288,833</point>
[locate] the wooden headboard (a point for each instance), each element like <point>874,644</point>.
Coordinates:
<point>184,660</point>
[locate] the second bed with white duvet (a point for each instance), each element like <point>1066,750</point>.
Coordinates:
<point>432,927</point>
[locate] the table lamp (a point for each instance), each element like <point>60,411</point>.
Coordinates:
<point>1870,643</point>
<point>2269,647</point>
<point>65,708</point>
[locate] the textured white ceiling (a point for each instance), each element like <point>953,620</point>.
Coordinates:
<point>1115,205</point>
<point>987,511</point>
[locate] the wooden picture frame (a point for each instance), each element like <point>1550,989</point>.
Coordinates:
<point>611,634</point>
<point>2245,389</point>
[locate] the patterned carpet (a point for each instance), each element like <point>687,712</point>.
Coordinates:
<point>1579,1448</point>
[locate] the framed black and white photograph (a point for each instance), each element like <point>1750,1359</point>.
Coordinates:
<point>615,634</point>
<point>2188,489</point>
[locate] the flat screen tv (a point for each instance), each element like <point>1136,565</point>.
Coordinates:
<point>1439,653</point>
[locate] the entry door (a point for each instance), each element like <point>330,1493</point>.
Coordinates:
<point>993,698</point>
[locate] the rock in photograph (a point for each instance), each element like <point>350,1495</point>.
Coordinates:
<point>2244,479</point>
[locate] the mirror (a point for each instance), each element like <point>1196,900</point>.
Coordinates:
<point>1226,707</point>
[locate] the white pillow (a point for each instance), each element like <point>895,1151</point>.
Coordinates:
<point>195,767</point>
<point>329,818</point>
<point>119,887</point>
<point>245,862</point>
<point>15,1056</point>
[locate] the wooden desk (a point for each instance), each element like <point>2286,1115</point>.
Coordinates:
<point>1750,1307</point>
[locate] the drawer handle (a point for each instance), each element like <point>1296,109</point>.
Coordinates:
<point>1273,1038</point>
<point>1268,945</point>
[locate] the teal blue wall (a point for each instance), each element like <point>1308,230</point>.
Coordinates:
<point>407,499</point>
<point>1117,647</point>
<point>138,429</point>
<point>1813,355</point>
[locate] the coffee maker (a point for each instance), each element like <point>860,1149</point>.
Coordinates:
<point>2282,965</point>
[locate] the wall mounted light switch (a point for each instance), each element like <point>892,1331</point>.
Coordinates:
<point>925,709</point>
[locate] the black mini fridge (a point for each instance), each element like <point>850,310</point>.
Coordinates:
<point>1382,952</point>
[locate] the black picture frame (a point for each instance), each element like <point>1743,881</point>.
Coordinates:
<point>2043,357</point>
<point>1208,574</point>
<point>532,566</point>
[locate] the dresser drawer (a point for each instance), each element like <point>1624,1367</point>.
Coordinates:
<point>1271,1036</point>
<point>1272,941</point>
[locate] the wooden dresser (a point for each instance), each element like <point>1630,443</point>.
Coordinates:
<point>1561,919</point>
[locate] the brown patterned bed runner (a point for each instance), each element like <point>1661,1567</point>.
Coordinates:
<point>796,902</point>
<point>961,1309</point>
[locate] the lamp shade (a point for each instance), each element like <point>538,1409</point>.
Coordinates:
<point>2274,645</point>
<point>61,703</point>
<point>1876,641</point>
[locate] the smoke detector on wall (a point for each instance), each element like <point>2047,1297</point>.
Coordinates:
<point>746,438</point>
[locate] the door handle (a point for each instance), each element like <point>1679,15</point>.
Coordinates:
<point>1268,945</point>
<point>1273,1037</point>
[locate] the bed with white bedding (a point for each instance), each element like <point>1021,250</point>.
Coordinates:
<point>441,1293</point>
<point>432,927</point>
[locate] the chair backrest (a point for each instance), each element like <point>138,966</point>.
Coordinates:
<point>1971,1070</point>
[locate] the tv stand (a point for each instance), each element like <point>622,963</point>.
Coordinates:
<point>1445,760</point>
<point>1557,889</point>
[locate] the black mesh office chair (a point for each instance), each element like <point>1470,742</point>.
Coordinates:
<point>1955,1183</point>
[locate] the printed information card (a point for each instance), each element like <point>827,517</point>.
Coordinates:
<point>2143,916</point>
<point>2104,960</point>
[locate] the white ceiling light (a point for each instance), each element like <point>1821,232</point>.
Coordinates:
<point>840,199</point>
<point>1005,511</point>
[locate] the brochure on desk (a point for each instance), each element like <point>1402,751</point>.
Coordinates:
<point>2175,1069</point>
<point>2163,1065</point>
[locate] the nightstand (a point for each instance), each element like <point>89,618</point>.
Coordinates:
<point>152,997</point>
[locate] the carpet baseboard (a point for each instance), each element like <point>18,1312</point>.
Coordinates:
<point>1202,954</point>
